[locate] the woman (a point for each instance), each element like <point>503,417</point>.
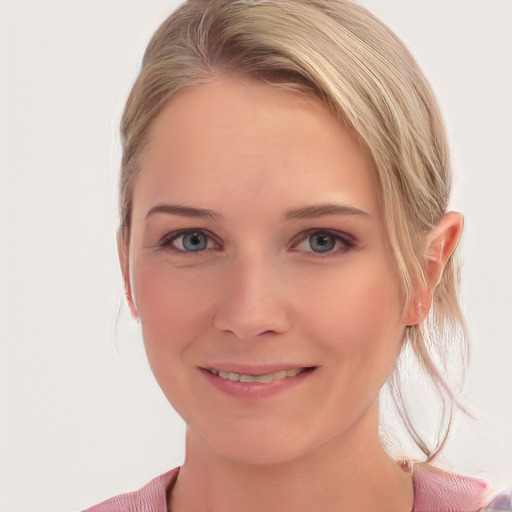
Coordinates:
<point>284,238</point>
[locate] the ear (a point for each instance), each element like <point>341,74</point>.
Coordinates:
<point>124,261</point>
<point>441,243</point>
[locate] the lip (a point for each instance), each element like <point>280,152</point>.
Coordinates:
<point>255,390</point>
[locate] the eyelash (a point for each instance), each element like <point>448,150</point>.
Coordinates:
<point>166,242</point>
<point>348,242</point>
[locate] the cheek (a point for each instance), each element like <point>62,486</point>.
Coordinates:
<point>358,312</point>
<point>358,325</point>
<point>172,307</point>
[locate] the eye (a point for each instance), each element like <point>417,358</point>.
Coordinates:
<point>324,241</point>
<point>187,241</point>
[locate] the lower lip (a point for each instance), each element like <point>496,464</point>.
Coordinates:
<point>255,390</point>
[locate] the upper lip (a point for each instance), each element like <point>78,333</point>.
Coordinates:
<point>251,369</point>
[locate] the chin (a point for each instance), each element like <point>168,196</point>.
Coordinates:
<point>264,448</point>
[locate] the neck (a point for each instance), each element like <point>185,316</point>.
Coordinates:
<point>350,473</point>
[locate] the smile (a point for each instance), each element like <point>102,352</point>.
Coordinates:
<point>268,377</point>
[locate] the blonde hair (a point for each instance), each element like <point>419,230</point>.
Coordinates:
<point>340,52</point>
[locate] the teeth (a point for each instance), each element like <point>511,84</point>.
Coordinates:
<point>268,377</point>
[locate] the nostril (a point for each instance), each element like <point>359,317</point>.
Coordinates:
<point>252,319</point>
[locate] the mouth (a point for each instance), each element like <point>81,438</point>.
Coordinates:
<point>262,378</point>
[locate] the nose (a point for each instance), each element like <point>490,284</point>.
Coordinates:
<point>252,300</point>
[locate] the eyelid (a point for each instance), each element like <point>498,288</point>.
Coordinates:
<point>349,241</point>
<point>166,242</point>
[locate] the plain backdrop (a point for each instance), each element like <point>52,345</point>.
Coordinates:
<point>81,417</point>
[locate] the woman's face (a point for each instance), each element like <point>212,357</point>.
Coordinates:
<point>258,265</point>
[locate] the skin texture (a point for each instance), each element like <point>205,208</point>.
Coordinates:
<point>260,294</point>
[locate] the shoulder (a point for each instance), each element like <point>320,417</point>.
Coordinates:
<point>150,498</point>
<point>501,503</point>
<point>441,491</point>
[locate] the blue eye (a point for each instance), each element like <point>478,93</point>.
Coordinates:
<point>194,242</point>
<point>322,242</point>
<point>191,241</point>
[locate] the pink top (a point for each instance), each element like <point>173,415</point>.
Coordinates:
<point>434,491</point>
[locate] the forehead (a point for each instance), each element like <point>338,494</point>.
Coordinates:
<point>248,139</point>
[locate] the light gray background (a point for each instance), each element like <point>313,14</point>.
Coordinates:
<point>81,418</point>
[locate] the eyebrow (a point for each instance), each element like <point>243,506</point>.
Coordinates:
<point>306,212</point>
<point>184,211</point>
<point>319,210</point>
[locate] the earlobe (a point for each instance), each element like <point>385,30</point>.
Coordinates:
<point>124,262</point>
<point>440,244</point>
